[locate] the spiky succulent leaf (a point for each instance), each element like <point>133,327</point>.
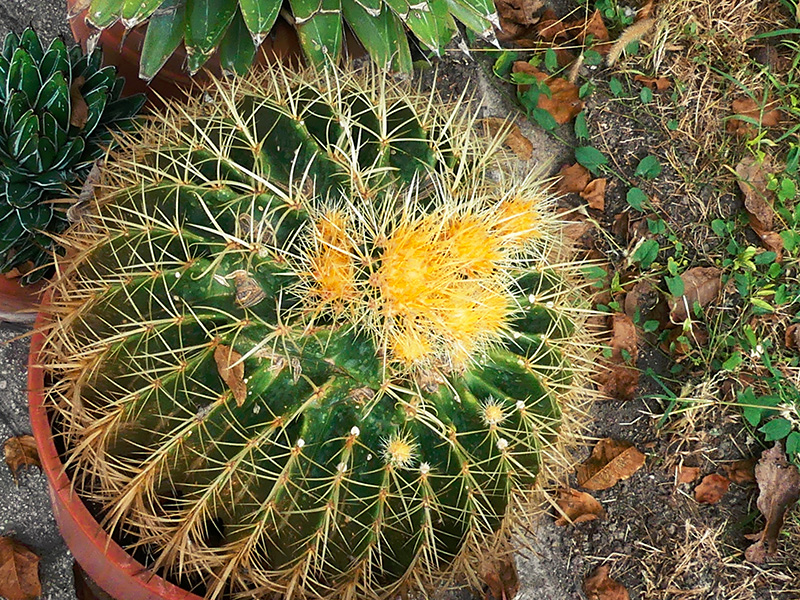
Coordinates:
<point>209,25</point>
<point>42,151</point>
<point>310,343</point>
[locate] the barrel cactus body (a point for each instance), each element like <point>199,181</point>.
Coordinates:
<point>58,110</point>
<point>313,342</point>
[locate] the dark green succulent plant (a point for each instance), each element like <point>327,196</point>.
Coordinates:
<point>237,27</point>
<point>58,111</point>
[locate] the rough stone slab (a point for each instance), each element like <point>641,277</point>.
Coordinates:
<point>25,512</point>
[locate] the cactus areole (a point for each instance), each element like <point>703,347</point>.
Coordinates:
<point>312,341</point>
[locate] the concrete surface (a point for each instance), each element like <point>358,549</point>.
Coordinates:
<point>25,512</point>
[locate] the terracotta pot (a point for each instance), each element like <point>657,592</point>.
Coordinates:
<point>122,50</point>
<point>18,303</point>
<point>108,565</point>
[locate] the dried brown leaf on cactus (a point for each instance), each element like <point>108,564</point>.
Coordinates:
<point>564,102</point>
<point>611,461</point>
<point>19,571</point>
<point>701,285</point>
<point>573,179</point>
<point>711,489</point>
<point>21,451</point>
<point>577,507</point>
<point>599,586</point>
<point>778,490</point>
<point>231,369</point>
<point>514,139</point>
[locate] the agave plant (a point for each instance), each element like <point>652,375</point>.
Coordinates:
<point>315,342</point>
<point>58,111</point>
<point>237,27</point>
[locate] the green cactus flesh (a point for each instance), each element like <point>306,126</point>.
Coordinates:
<point>307,345</point>
<point>44,144</point>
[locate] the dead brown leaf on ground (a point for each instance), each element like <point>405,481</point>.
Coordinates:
<point>564,102</point>
<point>550,28</point>
<point>700,285</point>
<point>501,578</point>
<point>21,451</point>
<point>741,471</point>
<point>624,340</point>
<point>747,107</point>
<point>620,378</point>
<point>19,571</point>
<point>595,193</point>
<point>684,474</point>
<point>779,488</point>
<point>757,198</point>
<point>611,461</point>
<point>514,139</point>
<point>522,12</point>
<point>711,489</point>
<point>792,336</point>
<point>645,12</point>
<point>517,18</point>
<point>231,368</point>
<point>573,179</point>
<point>620,382</point>
<point>657,84</point>
<point>577,507</point>
<point>599,586</point>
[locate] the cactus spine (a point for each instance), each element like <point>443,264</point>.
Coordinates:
<point>314,341</point>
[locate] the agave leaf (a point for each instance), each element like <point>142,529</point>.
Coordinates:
<point>123,109</point>
<point>54,98</point>
<point>69,153</point>
<point>36,217</point>
<point>384,36</point>
<point>101,80</point>
<point>29,155</point>
<point>27,126</point>
<point>237,50</point>
<point>474,20</point>
<point>55,59</point>
<point>6,210</point>
<point>104,13</point>
<point>96,103</point>
<point>430,21</point>
<point>206,23</point>
<point>136,11</point>
<point>260,16</point>
<point>23,75</point>
<point>319,27</point>
<point>164,34</point>
<point>47,152</point>
<point>30,41</point>
<point>10,231</point>
<point>10,44</point>
<point>51,130</point>
<point>21,195</point>
<point>16,106</point>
